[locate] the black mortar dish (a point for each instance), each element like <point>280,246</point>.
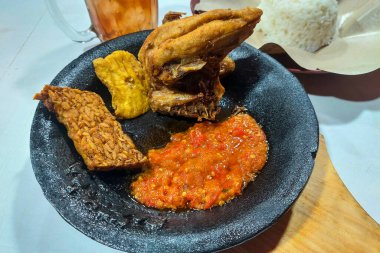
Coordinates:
<point>99,204</point>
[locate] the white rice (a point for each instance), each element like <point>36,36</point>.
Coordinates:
<point>306,24</point>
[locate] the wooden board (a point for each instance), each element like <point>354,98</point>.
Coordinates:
<point>326,218</point>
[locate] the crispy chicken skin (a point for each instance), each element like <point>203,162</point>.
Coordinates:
<point>196,45</point>
<point>227,65</point>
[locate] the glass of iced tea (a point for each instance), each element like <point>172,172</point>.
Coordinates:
<point>110,18</point>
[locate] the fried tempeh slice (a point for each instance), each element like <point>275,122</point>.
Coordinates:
<point>96,134</point>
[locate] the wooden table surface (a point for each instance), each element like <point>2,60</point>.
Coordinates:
<point>326,218</point>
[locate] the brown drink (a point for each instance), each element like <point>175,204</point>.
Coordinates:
<point>113,18</point>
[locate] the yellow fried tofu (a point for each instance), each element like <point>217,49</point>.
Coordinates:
<point>127,82</point>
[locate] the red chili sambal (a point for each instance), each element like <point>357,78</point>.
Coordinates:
<point>205,166</point>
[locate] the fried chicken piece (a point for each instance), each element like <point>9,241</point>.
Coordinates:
<point>183,57</point>
<point>227,66</point>
<point>97,136</point>
<point>172,15</point>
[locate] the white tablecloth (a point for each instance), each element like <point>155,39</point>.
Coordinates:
<point>33,50</point>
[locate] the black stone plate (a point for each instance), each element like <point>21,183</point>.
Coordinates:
<point>100,205</point>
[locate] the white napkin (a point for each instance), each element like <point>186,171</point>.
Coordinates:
<point>352,134</point>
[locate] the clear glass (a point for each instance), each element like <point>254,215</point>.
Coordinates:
<point>110,18</point>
